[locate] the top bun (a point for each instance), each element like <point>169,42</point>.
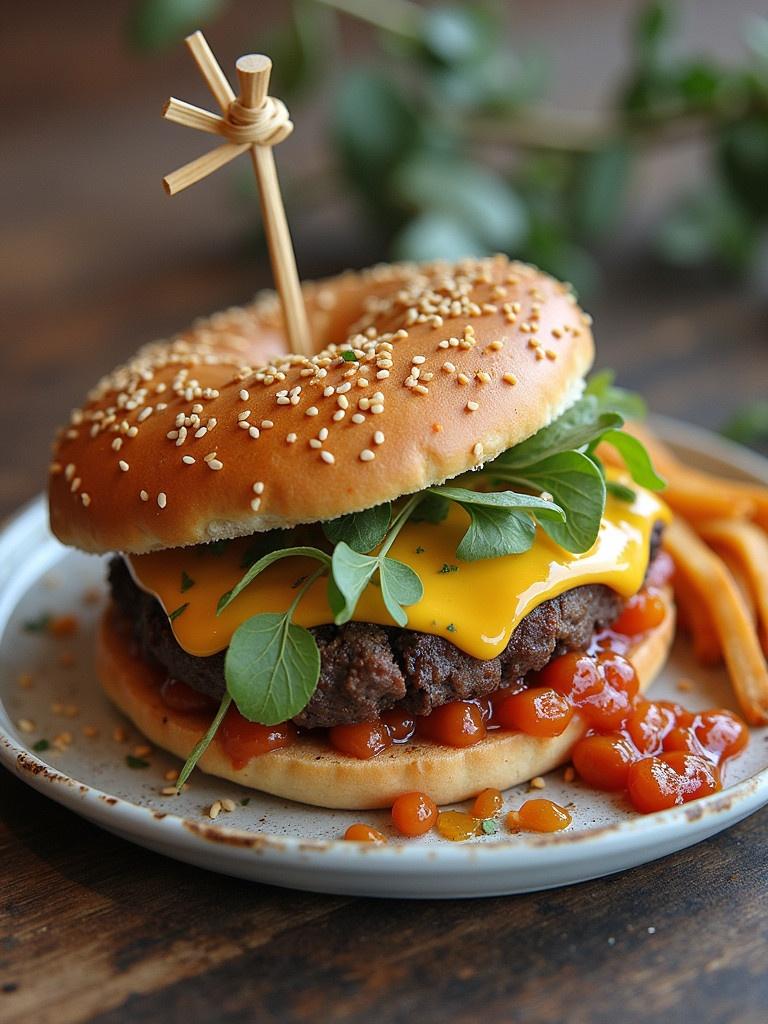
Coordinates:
<point>221,433</point>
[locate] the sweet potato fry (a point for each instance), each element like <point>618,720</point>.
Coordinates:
<point>748,546</point>
<point>714,585</point>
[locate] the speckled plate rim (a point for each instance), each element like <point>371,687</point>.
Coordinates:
<point>336,866</point>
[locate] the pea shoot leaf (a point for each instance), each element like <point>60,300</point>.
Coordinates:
<point>578,487</point>
<point>352,572</point>
<point>578,426</point>
<point>433,508</point>
<point>306,552</point>
<point>400,585</point>
<point>628,404</point>
<point>271,667</point>
<point>636,459</point>
<point>362,531</point>
<point>202,744</point>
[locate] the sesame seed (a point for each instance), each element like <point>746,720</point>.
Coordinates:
<point>477,451</point>
<point>214,810</point>
<point>314,443</point>
<point>244,395</point>
<point>243,415</point>
<point>449,367</point>
<point>418,360</point>
<point>377,409</point>
<point>339,415</point>
<point>255,504</point>
<point>144,414</point>
<point>483,377</point>
<point>201,432</point>
<point>258,487</point>
<point>462,378</point>
<point>26,725</point>
<point>290,438</point>
<point>123,465</point>
<point>86,499</point>
<point>342,401</point>
<point>117,444</point>
<point>382,374</point>
<point>443,344</point>
<point>495,345</point>
<point>162,499</point>
<point>366,455</point>
<point>323,434</point>
<point>267,424</point>
<point>215,464</point>
<point>188,460</point>
<point>538,783</point>
<point>209,456</point>
<point>357,418</point>
<point>378,437</point>
<point>472,406</point>
<point>509,378</point>
<point>143,495</point>
<point>327,457</point>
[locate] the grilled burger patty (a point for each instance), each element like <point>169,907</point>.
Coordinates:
<point>366,669</point>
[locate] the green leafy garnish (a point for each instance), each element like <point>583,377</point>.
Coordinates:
<point>245,801</point>
<point>489,827</point>
<point>362,531</point>
<point>186,582</point>
<point>349,356</point>
<point>274,556</point>
<point>38,625</point>
<point>136,762</point>
<point>636,459</point>
<point>41,745</point>
<point>178,611</point>
<point>271,667</point>
<point>202,744</point>
<point>451,628</point>
<point>445,568</point>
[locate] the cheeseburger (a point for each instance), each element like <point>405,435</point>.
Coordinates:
<point>339,577</point>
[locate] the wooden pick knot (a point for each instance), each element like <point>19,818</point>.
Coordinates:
<point>251,121</point>
<point>266,125</point>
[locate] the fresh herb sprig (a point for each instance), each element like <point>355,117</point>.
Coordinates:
<point>272,665</point>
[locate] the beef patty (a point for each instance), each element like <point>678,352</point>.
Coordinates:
<point>366,669</point>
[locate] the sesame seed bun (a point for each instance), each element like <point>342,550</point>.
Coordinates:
<point>310,771</point>
<point>219,433</point>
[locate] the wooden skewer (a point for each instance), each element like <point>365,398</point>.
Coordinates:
<point>253,73</point>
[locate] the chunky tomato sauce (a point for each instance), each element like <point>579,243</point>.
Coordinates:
<point>660,753</point>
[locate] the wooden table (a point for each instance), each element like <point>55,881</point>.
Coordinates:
<point>94,929</point>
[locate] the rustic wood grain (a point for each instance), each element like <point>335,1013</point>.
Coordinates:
<point>94,929</point>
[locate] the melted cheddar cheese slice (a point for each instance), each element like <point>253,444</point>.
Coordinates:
<point>475,605</point>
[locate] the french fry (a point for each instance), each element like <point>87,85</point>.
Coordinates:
<point>695,618</point>
<point>740,577</point>
<point>748,546</point>
<point>715,587</point>
<point>697,495</point>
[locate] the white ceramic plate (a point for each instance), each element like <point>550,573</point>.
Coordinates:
<point>288,844</point>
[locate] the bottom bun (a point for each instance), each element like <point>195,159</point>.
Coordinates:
<point>311,772</point>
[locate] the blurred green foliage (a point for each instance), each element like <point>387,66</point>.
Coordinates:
<point>445,140</point>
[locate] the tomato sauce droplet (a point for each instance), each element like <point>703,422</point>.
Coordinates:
<point>457,825</point>
<point>363,740</point>
<point>656,783</point>
<point>414,814</point>
<point>537,711</point>
<point>487,804</point>
<point>642,612</point>
<point>540,815</point>
<point>360,833</point>
<point>458,724</point>
<point>400,725</point>
<point>242,740</point>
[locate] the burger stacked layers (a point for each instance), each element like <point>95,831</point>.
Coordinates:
<point>414,516</point>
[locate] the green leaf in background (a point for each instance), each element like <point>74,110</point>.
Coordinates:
<point>301,50</point>
<point>457,35</point>
<point>431,236</point>
<point>599,187</point>
<point>400,585</point>
<point>375,128</point>
<point>749,425</point>
<point>707,227</point>
<point>157,24</point>
<point>652,28</point>
<point>467,193</point>
<point>272,667</point>
<point>743,158</point>
<point>635,458</point>
<point>362,531</point>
